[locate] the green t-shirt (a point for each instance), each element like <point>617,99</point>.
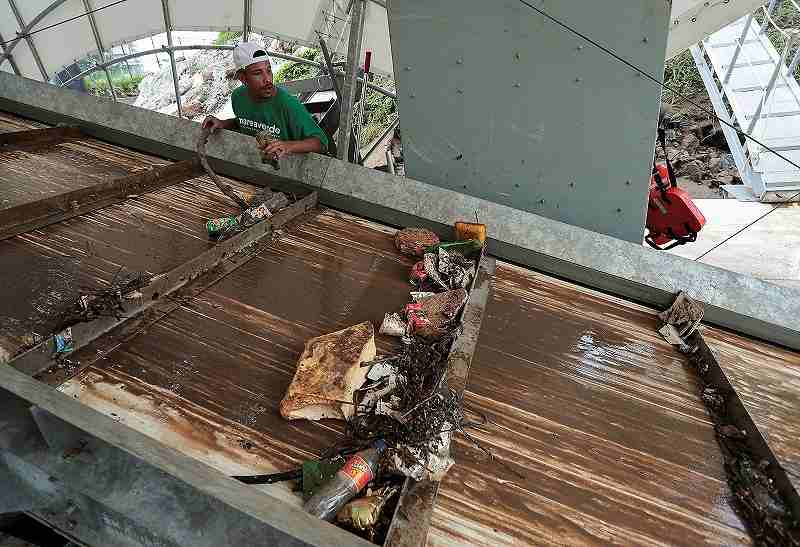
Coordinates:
<point>284,116</point>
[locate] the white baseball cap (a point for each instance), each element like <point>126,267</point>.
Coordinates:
<point>247,53</point>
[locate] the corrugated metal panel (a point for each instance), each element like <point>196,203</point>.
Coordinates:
<point>208,378</point>
<point>598,432</point>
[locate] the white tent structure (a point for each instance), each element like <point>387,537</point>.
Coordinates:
<point>44,53</point>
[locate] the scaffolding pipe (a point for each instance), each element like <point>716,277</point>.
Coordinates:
<point>171,52</point>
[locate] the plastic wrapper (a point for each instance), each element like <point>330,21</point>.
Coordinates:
<point>393,325</point>
<point>363,513</point>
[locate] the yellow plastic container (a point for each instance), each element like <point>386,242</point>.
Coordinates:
<point>469,230</point>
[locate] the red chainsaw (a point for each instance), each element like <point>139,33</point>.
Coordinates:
<point>672,217</point>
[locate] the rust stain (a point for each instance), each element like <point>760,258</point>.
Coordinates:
<point>595,425</point>
<point>221,363</point>
<point>52,266</point>
<point>767,380</point>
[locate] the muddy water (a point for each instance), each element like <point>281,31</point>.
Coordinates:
<point>230,354</point>
<point>598,434</point>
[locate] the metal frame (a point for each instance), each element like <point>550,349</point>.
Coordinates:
<point>349,90</point>
<point>28,39</point>
<point>29,27</point>
<point>276,54</point>
<point>43,212</point>
<point>6,54</point>
<point>735,301</point>
<point>43,355</point>
<point>246,24</point>
<point>99,43</point>
<point>171,51</point>
<point>731,136</point>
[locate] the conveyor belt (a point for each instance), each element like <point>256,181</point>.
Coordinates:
<point>597,429</point>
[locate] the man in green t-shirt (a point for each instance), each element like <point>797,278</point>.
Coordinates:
<point>261,106</point>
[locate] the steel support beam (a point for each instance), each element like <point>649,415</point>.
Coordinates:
<point>29,27</point>
<point>414,510</point>
<point>16,140</point>
<point>23,31</point>
<point>734,301</point>
<point>43,355</point>
<point>10,57</point>
<point>99,43</point>
<point>49,210</point>
<point>350,89</point>
<point>101,481</point>
<point>246,25</point>
<point>171,52</point>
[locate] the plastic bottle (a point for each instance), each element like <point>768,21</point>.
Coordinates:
<point>348,481</point>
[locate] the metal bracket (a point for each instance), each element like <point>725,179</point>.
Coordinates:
<point>43,355</point>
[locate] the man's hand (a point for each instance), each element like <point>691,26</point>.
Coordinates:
<point>213,124</point>
<point>280,149</point>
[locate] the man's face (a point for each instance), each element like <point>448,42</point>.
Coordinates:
<point>258,79</point>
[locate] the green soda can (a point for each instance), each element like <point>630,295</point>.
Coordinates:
<point>218,227</point>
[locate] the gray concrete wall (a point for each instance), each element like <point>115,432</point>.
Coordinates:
<point>735,301</point>
<point>498,102</point>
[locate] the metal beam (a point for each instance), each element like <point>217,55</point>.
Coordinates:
<point>29,27</point>
<point>351,78</point>
<point>99,43</point>
<point>734,301</point>
<point>713,376</point>
<point>8,55</point>
<point>171,52</point>
<point>28,39</point>
<point>308,85</point>
<point>102,481</point>
<point>16,140</point>
<point>412,518</point>
<point>49,210</point>
<point>247,24</point>
<point>43,355</point>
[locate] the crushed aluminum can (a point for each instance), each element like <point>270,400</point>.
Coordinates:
<point>363,513</point>
<point>218,227</point>
<point>393,325</point>
<point>63,342</point>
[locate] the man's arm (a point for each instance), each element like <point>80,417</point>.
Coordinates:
<point>214,124</point>
<point>281,149</point>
